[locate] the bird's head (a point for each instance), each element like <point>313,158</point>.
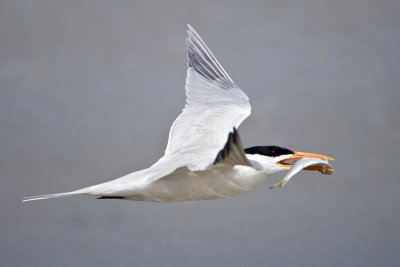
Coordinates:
<point>274,159</point>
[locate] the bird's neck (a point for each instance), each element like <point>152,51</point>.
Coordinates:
<point>262,163</point>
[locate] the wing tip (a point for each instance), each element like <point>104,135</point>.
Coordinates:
<point>201,59</point>
<point>192,36</point>
<point>191,29</point>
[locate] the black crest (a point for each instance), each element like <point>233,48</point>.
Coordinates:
<point>270,151</point>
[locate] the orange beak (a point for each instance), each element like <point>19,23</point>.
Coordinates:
<point>288,162</point>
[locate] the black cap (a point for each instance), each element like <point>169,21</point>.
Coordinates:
<point>270,151</point>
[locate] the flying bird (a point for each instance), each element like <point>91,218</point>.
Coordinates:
<point>204,158</point>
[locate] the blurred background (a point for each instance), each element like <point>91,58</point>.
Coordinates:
<point>89,90</point>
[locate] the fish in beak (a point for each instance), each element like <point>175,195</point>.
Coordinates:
<point>304,161</point>
<point>288,162</point>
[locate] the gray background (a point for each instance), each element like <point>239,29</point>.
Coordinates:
<point>90,88</point>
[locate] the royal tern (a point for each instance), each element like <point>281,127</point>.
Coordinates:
<point>204,158</point>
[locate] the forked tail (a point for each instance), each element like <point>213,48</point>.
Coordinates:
<point>118,188</point>
<point>26,199</point>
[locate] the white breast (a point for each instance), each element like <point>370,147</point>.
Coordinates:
<point>217,182</point>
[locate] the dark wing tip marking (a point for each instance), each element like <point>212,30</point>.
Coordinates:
<point>233,152</point>
<point>201,59</point>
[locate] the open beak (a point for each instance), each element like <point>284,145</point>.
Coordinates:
<point>288,162</point>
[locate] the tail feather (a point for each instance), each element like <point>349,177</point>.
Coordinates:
<point>110,189</point>
<point>26,199</point>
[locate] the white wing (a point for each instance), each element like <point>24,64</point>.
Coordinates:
<point>214,107</point>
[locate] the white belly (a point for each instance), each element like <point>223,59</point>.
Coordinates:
<point>218,182</point>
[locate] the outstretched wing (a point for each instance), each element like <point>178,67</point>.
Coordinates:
<point>214,107</point>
